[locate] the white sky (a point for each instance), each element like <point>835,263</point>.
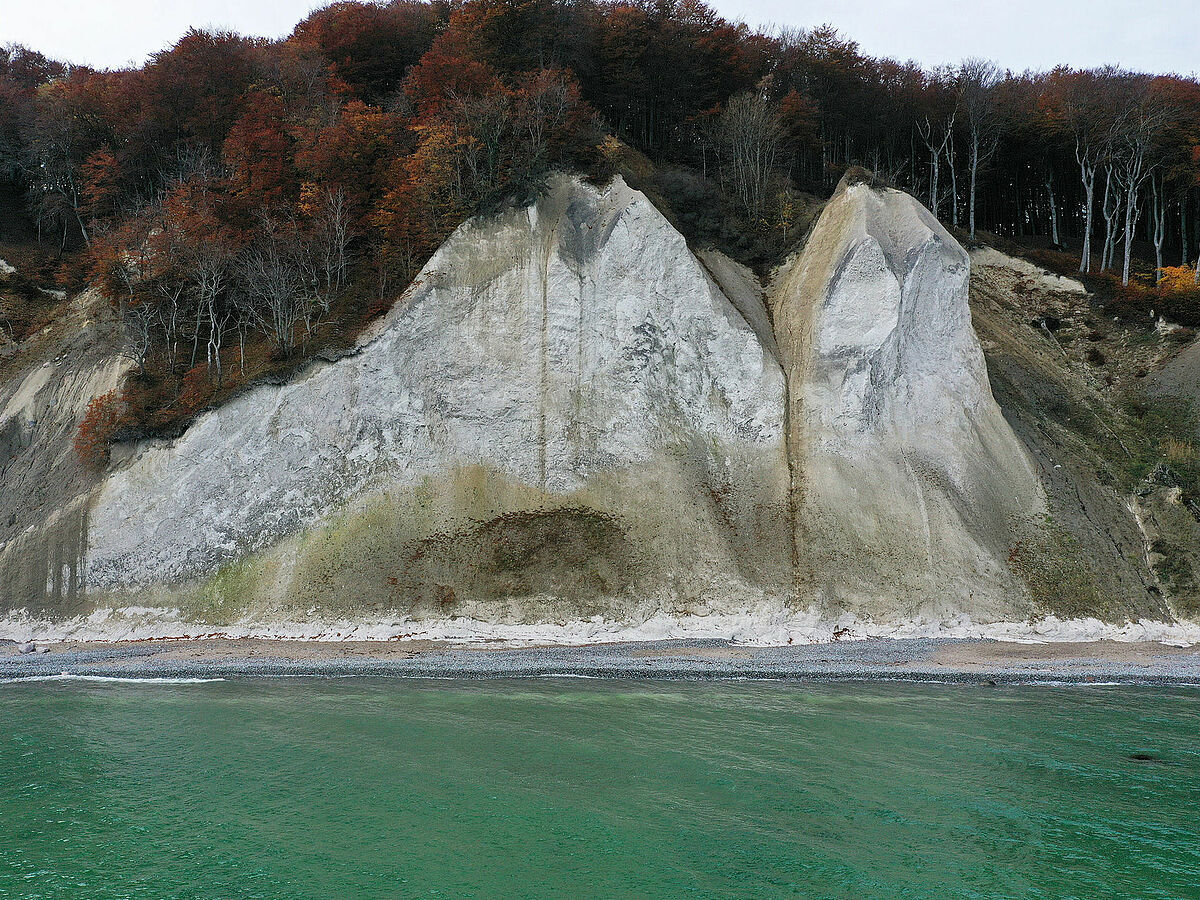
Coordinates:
<point>1150,35</point>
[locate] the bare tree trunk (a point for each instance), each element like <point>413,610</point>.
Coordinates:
<point>195,342</point>
<point>974,175</point>
<point>1132,214</point>
<point>214,345</point>
<point>1087,173</point>
<point>953,176</point>
<point>75,204</point>
<point>1183,237</point>
<point>87,242</point>
<point>1053,208</point>
<point>935,158</point>
<point>1159,212</point>
<point>977,79</point>
<point>748,135</point>
<point>1130,221</point>
<point>1111,207</point>
<point>1132,177</point>
<point>1140,129</point>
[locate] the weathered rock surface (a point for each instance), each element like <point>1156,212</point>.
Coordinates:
<point>1179,380</point>
<point>910,489</point>
<point>1035,276</point>
<point>1091,559</point>
<point>571,414</point>
<point>43,488</point>
<point>565,405</point>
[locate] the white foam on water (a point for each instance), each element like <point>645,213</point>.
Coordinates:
<point>565,675</point>
<point>1051,682</point>
<point>756,627</point>
<point>108,679</point>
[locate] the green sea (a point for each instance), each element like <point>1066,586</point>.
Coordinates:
<point>577,788</point>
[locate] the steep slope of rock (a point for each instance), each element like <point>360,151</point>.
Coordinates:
<point>570,414</point>
<point>909,488</point>
<point>1179,380</point>
<point>1064,424</point>
<point>1102,554</point>
<point>1170,517</point>
<point>44,490</point>
<point>563,416</point>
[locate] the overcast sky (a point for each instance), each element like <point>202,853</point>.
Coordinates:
<point>1149,35</point>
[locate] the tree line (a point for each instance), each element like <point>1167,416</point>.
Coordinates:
<point>241,199</point>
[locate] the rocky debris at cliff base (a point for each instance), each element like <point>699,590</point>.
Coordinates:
<point>771,626</point>
<point>1038,278</point>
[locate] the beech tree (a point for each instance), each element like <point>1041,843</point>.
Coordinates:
<point>1137,129</point>
<point>257,152</point>
<point>1075,105</point>
<point>938,135</point>
<point>977,79</point>
<point>370,46</point>
<point>330,234</point>
<point>1111,210</point>
<point>196,90</point>
<point>274,287</point>
<point>331,164</point>
<point>748,137</point>
<point>66,129</point>
<point>1158,218</point>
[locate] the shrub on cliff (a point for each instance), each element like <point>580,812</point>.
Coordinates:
<point>105,415</point>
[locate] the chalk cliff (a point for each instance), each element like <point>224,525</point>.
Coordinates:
<point>44,491</point>
<point>565,415</point>
<point>910,488</point>
<point>571,414</point>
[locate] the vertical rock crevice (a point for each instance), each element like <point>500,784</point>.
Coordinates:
<point>909,489</point>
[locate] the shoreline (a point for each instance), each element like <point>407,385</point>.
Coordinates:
<point>921,660</point>
<point>766,625</point>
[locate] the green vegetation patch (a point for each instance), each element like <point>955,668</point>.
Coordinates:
<point>1060,575</point>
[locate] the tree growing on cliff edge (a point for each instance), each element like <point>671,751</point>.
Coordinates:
<point>748,134</point>
<point>274,282</point>
<point>977,80</point>
<point>105,414</point>
<point>937,134</point>
<point>377,127</point>
<point>656,73</point>
<point>1139,123</point>
<point>1074,104</point>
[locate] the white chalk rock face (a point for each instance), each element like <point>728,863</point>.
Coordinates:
<point>565,406</point>
<point>909,487</point>
<point>43,486</point>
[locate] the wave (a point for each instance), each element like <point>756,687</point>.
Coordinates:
<point>107,679</point>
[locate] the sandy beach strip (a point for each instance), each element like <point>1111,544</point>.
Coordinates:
<point>920,660</point>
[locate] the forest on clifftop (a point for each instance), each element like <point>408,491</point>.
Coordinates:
<point>246,204</point>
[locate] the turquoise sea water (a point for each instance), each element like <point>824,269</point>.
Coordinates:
<point>351,788</point>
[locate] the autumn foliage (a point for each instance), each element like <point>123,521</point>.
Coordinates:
<point>245,203</point>
<point>105,415</point>
<point>1177,279</point>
